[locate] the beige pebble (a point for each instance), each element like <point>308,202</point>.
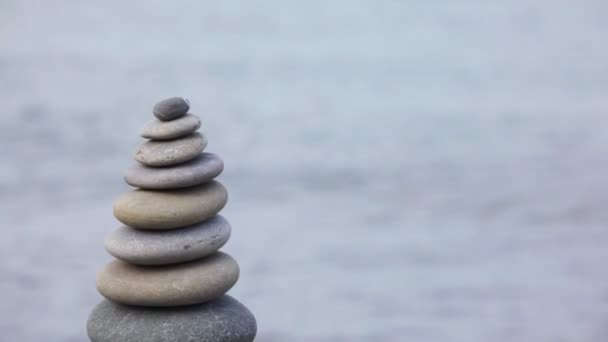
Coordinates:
<point>172,285</point>
<point>147,209</point>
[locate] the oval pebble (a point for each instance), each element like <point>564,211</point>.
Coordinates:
<point>171,108</point>
<point>197,171</point>
<point>147,209</point>
<point>168,130</point>
<point>163,247</point>
<point>221,320</point>
<point>171,152</point>
<point>171,285</point>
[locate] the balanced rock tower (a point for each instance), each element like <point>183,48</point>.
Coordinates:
<point>169,281</point>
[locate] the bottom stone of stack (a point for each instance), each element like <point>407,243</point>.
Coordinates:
<point>221,320</point>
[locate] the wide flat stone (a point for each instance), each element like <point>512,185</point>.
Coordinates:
<point>221,320</point>
<point>197,171</point>
<point>168,130</point>
<point>171,108</point>
<point>171,285</point>
<point>162,247</point>
<point>171,152</point>
<point>147,209</point>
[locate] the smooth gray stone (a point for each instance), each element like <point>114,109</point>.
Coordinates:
<point>222,320</point>
<point>195,172</point>
<point>168,130</point>
<point>171,108</point>
<point>171,152</point>
<point>164,247</point>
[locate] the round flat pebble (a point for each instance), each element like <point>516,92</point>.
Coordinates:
<point>171,152</point>
<point>163,247</point>
<point>197,171</point>
<point>147,209</point>
<point>171,108</point>
<point>171,285</point>
<point>168,130</point>
<point>221,320</point>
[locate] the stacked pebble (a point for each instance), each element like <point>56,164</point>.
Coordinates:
<point>170,280</point>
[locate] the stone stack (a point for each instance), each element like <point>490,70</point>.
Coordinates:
<point>170,280</point>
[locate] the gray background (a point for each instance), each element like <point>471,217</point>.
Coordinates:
<point>398,170</point>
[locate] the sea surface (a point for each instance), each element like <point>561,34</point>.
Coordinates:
<point>422,171</point>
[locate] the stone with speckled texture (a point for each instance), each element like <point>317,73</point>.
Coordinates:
<point>162,247</point>
<point>221,320</point>
<point>168,130</point>
<point>171,152</point>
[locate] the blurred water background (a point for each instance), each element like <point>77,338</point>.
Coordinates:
<point>398,170</point>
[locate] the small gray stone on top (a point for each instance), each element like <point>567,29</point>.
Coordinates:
<point>168,130</point>
<point>171,108</point>
<point>164,247</point>
<point>221,320</point>
<point>197,171</point>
